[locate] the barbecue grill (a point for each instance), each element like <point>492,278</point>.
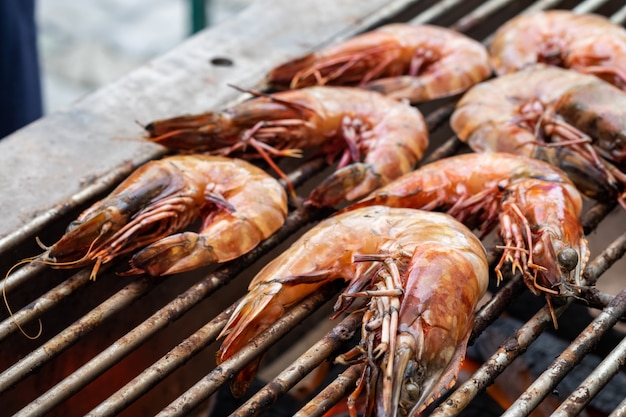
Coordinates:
<point>145,346</point>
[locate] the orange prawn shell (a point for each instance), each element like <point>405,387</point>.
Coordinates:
<point>375,138</point>
<point>163,197</point>
<point>582,42</point>
<point>383,60</point>
<point>485,190</point>
<point>326,253</point>
<point>488,115</point>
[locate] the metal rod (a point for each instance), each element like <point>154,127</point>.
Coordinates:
<point>434,11</point>
<point>588,6</point>
<point>332,393</point>
<point>592,385</point>
<point>541,5</point>
<point>620,410</point>
<point>612,253</point>
<point>187,401</point>
<point>44,303</point>
<point>165,366</point>
<point>569,358</point>
<point>70,335</point>
<point>478,14</point>
<point>307,362</point>
<point>19,277</point>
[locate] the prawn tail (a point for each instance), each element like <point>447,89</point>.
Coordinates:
<point>348,183</point>
<point>247,321</point>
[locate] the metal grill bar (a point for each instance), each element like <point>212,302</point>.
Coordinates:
<point>324,349</point>
<point>592,385</point>
<point>620,410</point>
<point>570,357</point>
<point>71,335</point>
<point>313,357</point>
<point>588,6</point>
<point>174,359</point>
<point>486,374</point>
<point>220,375</point>
<point>332,393</point>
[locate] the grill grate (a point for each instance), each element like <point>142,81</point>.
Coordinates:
<point>476,18</point>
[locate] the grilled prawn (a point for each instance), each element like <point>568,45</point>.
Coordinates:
<point>239,203</point>
<point>375,138</point>
<point>411,265</point>
<point>414,62</point>
<point>534,205</point>
<point>572,120</point>
<point>587,43</point>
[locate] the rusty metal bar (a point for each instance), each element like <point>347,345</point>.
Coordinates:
<point>620,410</point>
<point>569,358</point>
<point>45,302</point>
<point>20,276</point>
<point>592,385</point>
<point>187,401</point>
<point>308,361</point>
<point>70,335</point>
<point>165,366</point>
<point>333,393</point>
<point>594,298</point>
<point>613,252</point>
<point>157,321</point>
<point>592,217</point>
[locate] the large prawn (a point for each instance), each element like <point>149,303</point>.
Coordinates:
<point>534,205</point>
<point>375,137</point>
<point>587,43</point>
<point>412,265</point>
<point>572,120</point>
<point>404,61</point>
<point>239,203</point>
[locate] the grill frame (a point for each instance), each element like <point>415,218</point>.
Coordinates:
<point>51,211</point>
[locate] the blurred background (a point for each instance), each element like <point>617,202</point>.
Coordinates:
<point>85,45</point>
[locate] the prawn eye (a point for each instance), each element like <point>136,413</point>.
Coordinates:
<point>568,259</point>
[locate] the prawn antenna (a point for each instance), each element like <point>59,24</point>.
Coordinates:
<point>273,98</point>
<point>38,260</point>
<point>6,301</point>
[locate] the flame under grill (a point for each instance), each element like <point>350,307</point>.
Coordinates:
<point>132,347</point>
